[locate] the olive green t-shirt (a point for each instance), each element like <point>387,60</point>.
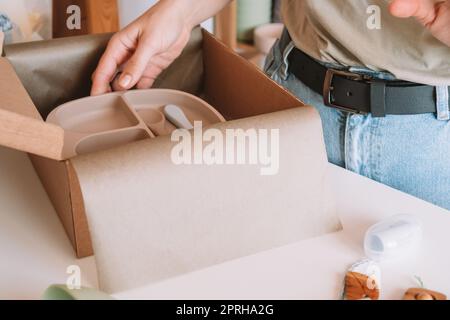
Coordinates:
<point>364,33</point>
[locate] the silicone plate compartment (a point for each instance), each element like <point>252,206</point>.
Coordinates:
<point>98,123</point>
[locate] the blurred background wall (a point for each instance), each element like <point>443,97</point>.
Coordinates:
<point>26,20</point>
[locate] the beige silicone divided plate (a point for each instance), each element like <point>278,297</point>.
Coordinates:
<point>98,123</point>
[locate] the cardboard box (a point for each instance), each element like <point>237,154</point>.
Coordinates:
<point>37,77</point>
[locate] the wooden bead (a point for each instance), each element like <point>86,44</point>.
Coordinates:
<point>423,294</point>
<point>359,286</point>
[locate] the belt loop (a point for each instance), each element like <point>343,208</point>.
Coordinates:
<point>378,99</point>
<point>442,103</point>
<point>284,71</point>
<point>2,38</point>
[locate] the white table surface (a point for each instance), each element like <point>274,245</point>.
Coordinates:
<point>35,252</point>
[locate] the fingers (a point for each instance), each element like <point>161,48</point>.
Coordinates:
<point>117,52</point>
<point>136,66</point>
<point>150,74</point>
<point>152,71</point>
<point>145,83</point>
<point>423,10</point>
<point>100,85</point>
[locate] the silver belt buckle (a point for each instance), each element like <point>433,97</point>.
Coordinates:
<point>328,89</point>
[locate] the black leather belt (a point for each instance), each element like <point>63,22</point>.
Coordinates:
<point>361,94</point>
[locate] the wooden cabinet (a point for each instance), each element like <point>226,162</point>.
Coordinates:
<point>97,16</point>
<point>226,25</point>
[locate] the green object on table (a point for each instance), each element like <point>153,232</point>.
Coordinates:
<point>62,292</point>
<point>251,14</point>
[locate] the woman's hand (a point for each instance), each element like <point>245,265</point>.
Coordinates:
<point>144,48</point>
<point>150,44</point>
<point>433,14</point>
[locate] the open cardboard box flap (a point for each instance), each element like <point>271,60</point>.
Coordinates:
<point>21,126</point>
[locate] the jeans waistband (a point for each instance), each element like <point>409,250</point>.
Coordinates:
<point>285,39</point>
<point>286,45</point>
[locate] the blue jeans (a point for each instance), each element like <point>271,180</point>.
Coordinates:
<point>410,153</point>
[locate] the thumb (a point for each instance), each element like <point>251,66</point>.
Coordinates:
<point>423,10</point>
<point>136,66</point>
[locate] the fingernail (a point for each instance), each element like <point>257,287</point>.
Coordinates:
<point>125,81</point>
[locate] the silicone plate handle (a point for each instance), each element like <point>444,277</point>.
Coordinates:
<point>177,116</point>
